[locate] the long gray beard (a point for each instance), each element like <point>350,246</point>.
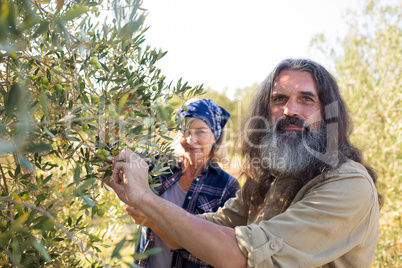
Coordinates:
<point>285,152</point>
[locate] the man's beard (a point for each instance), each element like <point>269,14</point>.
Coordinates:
<point>288,153</point>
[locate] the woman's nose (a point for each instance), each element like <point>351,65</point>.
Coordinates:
<point>191,139</point>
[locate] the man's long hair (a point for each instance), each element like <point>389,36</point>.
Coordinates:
<point>334,111</point>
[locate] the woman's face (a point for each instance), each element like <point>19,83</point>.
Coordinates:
<point>197,139</point>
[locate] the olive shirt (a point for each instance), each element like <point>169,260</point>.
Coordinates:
<point>333,221</point>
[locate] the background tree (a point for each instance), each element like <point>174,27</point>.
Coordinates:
<point>75,81</point>
<point>368,65</point>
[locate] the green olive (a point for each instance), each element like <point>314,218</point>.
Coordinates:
<point>45,80</point>
<point>114,115</point>
<point>134,146</point>
<point>100,212</point>
<point>93,60</point>
<point>3,223</point>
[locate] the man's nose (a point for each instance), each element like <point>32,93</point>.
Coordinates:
<point>291,109</point>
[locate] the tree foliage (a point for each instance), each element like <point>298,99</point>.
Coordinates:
<point>75,81</point>
<point>368,65</point>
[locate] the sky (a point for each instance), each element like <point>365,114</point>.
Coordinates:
<point>232,44</point>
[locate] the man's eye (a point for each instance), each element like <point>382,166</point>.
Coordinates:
<point>278,99</point>
<point>307,99</point>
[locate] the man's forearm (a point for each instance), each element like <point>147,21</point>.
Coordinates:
<point>210,242</point>
<point>165,237</point>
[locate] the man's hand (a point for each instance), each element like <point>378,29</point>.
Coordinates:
<point>130,177</point>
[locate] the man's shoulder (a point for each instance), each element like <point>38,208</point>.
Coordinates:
<point>350,167</point>
<point>350,179</point>
<point>349,174</point>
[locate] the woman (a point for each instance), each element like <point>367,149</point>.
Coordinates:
<point>198,185</point>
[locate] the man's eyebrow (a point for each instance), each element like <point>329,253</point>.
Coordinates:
<point>276,94</point>
<point>308,93</point>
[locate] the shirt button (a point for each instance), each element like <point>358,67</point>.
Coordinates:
<point>273,246</point>
<point>197,179</point>
<point>189,197</point>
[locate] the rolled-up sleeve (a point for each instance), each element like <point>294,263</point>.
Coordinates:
<point>256,245</point>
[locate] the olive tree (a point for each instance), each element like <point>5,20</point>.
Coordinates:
<point>368,65</point>
<point>76,81</point>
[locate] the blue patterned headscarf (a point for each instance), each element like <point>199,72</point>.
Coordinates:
<point>207,110</point>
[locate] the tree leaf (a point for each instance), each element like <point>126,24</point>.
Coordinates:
<point>87,183</point>
<point>43,103</point>
<point>87,200</point>
<point>128,30</point>
<point>122,102</point>
<point>43,27</point>
<point>116,251</point>
<point>73,13</point>
<point>13,99</point>
<point>25,162</point>
<point>60,4</point>
<point>7,147</point>
<point>48,132</point>
<point>77,173</point>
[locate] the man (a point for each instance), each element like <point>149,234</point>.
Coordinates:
<point>308,201</point>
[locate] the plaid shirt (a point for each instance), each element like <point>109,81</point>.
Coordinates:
<point>208,191</point>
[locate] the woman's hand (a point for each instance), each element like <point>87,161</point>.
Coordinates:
<point>137,216</point>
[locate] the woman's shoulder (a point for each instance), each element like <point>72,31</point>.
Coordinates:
<point>217,174</point>
<point>216,169</point>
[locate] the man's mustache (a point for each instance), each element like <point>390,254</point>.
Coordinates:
<point>292,121</point>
